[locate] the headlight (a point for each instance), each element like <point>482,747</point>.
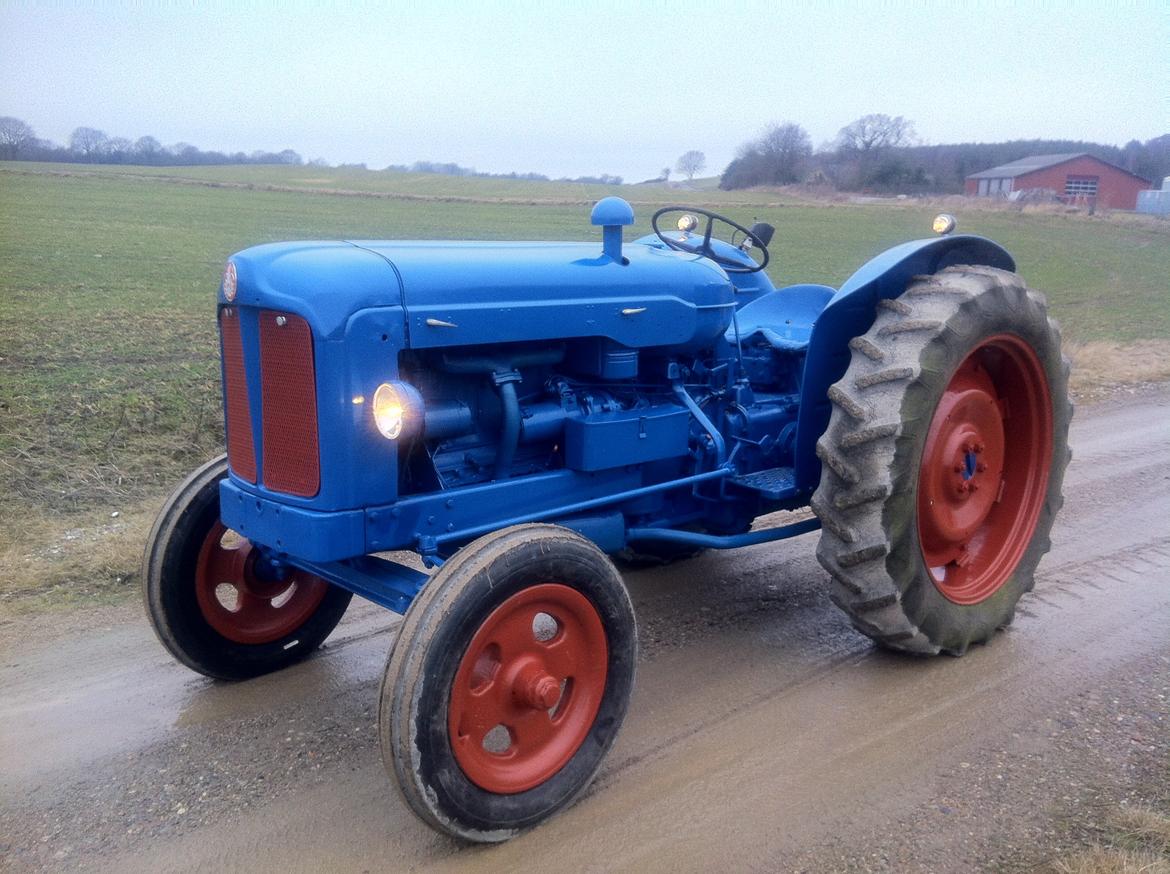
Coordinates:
<point>397,408</point>
<point>389,411</point>
<point>229,282</point>
<point>944,224</point>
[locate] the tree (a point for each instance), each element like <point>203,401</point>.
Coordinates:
<point>118,149</point>
<point>874,132</point>
<point>88,142</point>
<point>777,157</point>
<point>15,136</point>
<point>690,163</point>
<point>147,149</point>
<point>665,175</point>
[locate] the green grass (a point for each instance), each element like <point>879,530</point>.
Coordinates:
<point>108,372</point>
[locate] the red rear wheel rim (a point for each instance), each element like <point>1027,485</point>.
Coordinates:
<point>985,468</point>
<point>528,688</point>
<point>243,604</point>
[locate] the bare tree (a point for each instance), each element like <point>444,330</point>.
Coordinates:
<point>874,132</point>
<point>88,142</point>
<point>147,149</point>
<point>665,174</point>
<point>118,149</point>
<point>690,163</point>
<point>777,157</point>
<point>786,146</point>
<point>15,136</point>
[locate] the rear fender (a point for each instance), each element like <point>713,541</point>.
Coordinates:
<point>851,312</point>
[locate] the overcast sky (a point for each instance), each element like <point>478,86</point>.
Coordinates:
<point>580,87</point>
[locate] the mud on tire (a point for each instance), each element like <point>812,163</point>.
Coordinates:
<point>872,454</point>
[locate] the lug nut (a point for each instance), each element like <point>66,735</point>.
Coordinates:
<point>980,467</point>
<point>978,448</point>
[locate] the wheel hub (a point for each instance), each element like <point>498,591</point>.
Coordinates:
<point>968,442</point>
<point>528,688</point>
<point>984,470</point>
<point>247,598</point>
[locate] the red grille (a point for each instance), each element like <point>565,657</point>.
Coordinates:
<point>241,451</point>
<point>289,404</point>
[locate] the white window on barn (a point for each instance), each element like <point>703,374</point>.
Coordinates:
<point>1081,186</point>
<point>984,187</point>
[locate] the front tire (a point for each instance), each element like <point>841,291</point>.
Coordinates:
<point>943,461</point>
<point>210,602</point>
<point>508,682</point>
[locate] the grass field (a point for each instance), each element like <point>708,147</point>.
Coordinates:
<point>108,369</point>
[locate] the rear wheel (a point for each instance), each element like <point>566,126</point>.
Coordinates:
<point>508,682</point>
<point>214,604</point>
<point>943,461</point>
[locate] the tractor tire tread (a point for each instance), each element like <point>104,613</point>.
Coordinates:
<point>862,488</point>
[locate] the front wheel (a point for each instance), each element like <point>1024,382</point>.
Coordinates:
<point>508,682</point>
<point>943,461</point>
<point>214,604</point>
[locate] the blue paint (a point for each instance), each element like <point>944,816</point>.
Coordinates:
<point>628,393</point>
<point>612,214</point>
<point>726,541</point>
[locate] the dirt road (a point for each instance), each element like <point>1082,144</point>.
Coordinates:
<point>764,733</point>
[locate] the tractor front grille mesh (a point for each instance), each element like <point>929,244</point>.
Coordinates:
<point>241,451</point>
<point>288,400</point>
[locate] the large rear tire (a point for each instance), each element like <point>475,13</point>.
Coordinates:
<point>943,461</point>
<point>210,601</point>
<point>508,682</point>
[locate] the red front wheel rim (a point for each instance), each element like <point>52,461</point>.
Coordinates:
<point>241,601</point>
<point>985,468</point>
<point>528,688</point>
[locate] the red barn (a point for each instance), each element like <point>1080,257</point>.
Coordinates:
<point>1075,178</point>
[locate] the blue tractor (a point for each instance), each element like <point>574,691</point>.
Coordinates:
<point>520,414</point>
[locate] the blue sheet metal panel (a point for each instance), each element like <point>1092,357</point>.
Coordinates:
<point>325,282</point>
<point>606,440</point>
<point>311,534</point>
<point>721,248</point>
<point>852,310</point>
<point>496,504</point>
<point>491,292</point>
<point>785,319</point>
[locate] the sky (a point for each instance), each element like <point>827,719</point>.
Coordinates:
<point>584,87</point>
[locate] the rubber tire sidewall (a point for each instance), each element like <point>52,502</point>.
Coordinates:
<point>420,673</point>
<point>172,554</point>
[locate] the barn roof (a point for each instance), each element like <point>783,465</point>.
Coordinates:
<point>1040,162</point>
<point>1025,165</point>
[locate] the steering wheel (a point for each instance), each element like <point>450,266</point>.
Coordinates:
<point>680,242</point>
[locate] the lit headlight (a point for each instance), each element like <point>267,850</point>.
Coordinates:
<point>397,408</point>
<point>944,224</point>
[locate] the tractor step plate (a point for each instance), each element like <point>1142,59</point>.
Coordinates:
<point>773,484</point>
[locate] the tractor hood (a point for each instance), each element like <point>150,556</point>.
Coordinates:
<point>465,293</point>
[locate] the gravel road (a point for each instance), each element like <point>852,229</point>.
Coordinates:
<point>764,733</point>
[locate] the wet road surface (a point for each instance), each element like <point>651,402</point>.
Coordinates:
<point>764,733</point>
